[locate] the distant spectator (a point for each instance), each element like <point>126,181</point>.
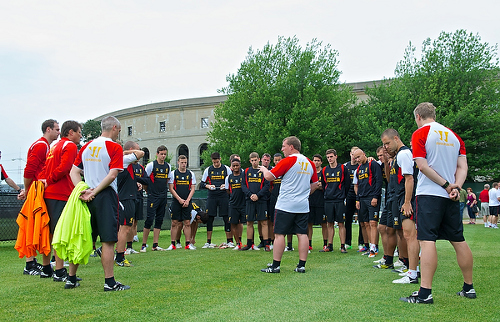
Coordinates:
<point>472,206</point>
<point>484,197</point>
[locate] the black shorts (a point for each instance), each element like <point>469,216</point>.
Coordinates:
<point>397,215</point>
<point>127,213</point>
<point>386,215</point>
<point>179,213</point>
<point>54,208</point>
<point>104,215</point>
<point>139,209</point>
<point>335,211</point>
<point>286,223</point>
<point>256,210</point>
<point>316,215</point>
<point>366,211</point>
<point>438,218</point>
<point>156,211</point>
<point>221,203</point>
<point>237,215</point>
<point>494,210</point>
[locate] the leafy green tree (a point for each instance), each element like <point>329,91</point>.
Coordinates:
<point>91,130</point>
<point>279,91</point>
<point>459,74</point>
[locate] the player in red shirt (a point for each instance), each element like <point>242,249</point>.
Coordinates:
<point>484,197</point>
<point>35,161</point>
<point>58,187</point>
<point>440,157</point>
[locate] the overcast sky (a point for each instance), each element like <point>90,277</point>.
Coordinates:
<point>81,59</point>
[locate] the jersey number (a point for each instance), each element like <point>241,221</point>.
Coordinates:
<point>304,165</point>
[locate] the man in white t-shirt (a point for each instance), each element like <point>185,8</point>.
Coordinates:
<point>494,205</point>
<point>292,208</point>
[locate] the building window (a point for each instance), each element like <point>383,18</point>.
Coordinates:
<point>203,147</point>
<point>129,131</point>
<point>183,150</point>
<point>162,126</point>
<point>204,122</point>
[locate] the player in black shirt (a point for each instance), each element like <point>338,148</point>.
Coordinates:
<point>237,202</point>
<point>368,188</point>
<point>350,204</point>
<point>402,183</point>
<point>157,173</point>
<point>181,184</point>
<point>256,190</point>
<point>317,206</point>
<point>336,183</point>
<point>140,177</point>
<point>214,179</point>
<point>127,194</point>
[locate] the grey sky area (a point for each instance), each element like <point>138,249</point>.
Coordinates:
<point>81,59</point>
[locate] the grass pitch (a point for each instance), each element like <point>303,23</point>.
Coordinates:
<point>223,285</point>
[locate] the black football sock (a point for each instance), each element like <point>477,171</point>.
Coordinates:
<point>301,263</point>
<point>389,260</point>
<point>110,281</point>
<point>423,293</point>
<point>276,264</point>
<point>120,257</point>
<point>467,287</point>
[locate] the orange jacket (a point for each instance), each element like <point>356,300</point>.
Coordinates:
<point>33,221</point>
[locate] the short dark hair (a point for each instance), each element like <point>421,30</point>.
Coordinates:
<point>235,160</point>
<point>215,155</point>
<point>318,156</point>
<point>266,155</point>
<point>69,125</point>
<point>161,148</point>
<point>380,148</point>
<point>330,151</point>
<point>48,123</point>
<point>390,133</point>
<point>278,155</point>
<point>182,157</point>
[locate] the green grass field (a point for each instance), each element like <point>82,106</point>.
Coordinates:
<point>223,285</point>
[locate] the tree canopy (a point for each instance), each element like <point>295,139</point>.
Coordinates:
<point>91,130</point>
<point>459,74</point>
<point>282,90</point>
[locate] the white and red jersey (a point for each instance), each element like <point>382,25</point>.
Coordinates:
<point>441,147</point>
<point>97,158</point>
<point>298,172</point>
